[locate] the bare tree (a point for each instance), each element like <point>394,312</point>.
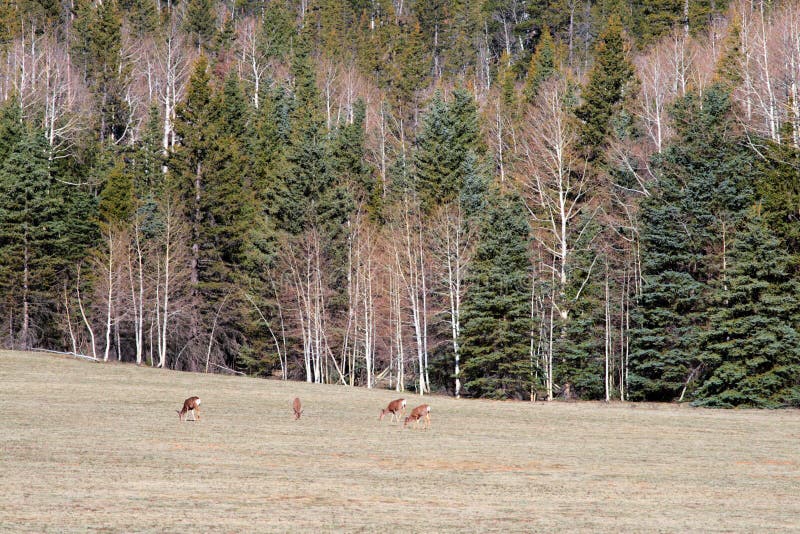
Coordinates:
<point>171,270</point>
<point>252,59</point>
<point>410,265</point>
<point>453,241</point>
<point>556,183</point>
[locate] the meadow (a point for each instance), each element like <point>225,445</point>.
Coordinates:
<point>98,447</point>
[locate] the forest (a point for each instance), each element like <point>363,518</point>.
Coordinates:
<point>498,199</point>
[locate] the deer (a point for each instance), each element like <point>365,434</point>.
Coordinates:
<point>397,405</point>
<point>423,411</point>
<point>298,408</point>
<point>192,404</point>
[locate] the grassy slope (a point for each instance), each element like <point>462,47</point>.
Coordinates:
<point>88,446</point>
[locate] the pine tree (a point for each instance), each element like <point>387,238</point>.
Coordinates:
<point>778,190</point>
<point>752,350</point>
<point>277,35</point>
<point>496,325</point>
<point>605,92</point>
<point>729,70</point>
<point>349,166</point>
<point>117,197</point>
<point>200,22</point>
<point>702,191</point>
<point>542,66</point>
<point>269,153</point>
<point>449,134</point>
<point>308,177</point>
<point>34,233</point>
<point>98,46</point>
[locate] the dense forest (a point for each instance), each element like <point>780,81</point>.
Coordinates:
<point>503,199</point>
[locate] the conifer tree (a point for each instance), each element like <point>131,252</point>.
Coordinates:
<point>277,36</point>
<point>269,152</point>
<point>729,70</point>
<point>435,161</point>
<point>188,159</point>
<point>200,22</point>
<point>34,234</point>
<point>349,166</point>
<point>751,353</point>
<point>496,324</point>
<point>542,65</point>
<point>449,134</point>
<point>117,197</point>
<point>702,191</point>
<point>605,92</point>
<point>143,16</point>
<point>308,177</point>
<point>778,190</point>
<point>414,64</point>
<point>98,45</point>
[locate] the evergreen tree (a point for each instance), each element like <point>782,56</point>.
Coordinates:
<point>605,92</point>
<point>187,161</point>
<point>752,351</point>
<point>542,66</point>
<point>449,134</point>
<point>496,324</point>
<point>11,126</point>
<point>117,197</point>
<point>475,189</point>
<point>200,22</point>
<point>34,235</point>
<point>778,190</point>
<point>729,71</point>
<point>414,64</point>
<point>467,130</point>
<point>277,35</point>
<point>98,46</point>
<point>269,152</point>
<point>656,18</point>
<point>349,166</point>
<point>703,188</point>
<point>143,16</point>
<point>312,196</point>
<point>435,161</point>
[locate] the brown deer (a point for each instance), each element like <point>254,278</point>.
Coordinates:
<point>192,404</point>
<point>423,411</point>
<point>398,405</point>
<point>297,407</point>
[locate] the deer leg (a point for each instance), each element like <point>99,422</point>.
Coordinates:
<point>197,412</point>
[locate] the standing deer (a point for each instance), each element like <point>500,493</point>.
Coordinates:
<point>191,404</point>
<point>423,411</point>
<point>297,407</point>
<point>398,405</point>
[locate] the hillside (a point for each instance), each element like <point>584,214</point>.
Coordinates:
<point>99,447</point>
<point>490,199</point>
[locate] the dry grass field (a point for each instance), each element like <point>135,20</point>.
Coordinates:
<point>92,447</point>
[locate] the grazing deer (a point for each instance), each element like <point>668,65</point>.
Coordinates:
<point>297,407</point>
<point>398,405</point>
<point>191,404</point>
<point>423,411</point>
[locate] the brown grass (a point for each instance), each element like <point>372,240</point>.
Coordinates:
<point>87,446</point>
